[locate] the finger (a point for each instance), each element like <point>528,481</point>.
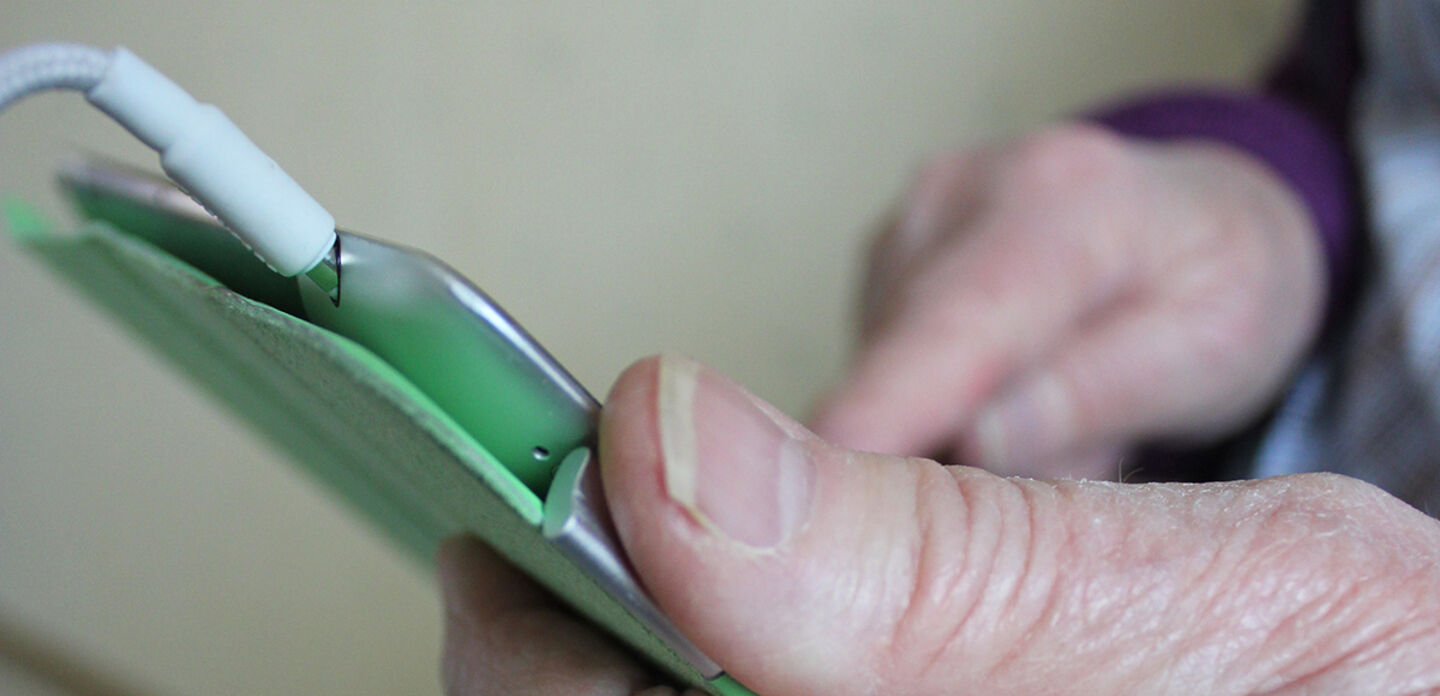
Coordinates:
<point>943,194</point>
<point>1150,368</point>
<point>505,635</point>
<point>1102,387</point>
<point>803,568</point>
<point>994,299</point>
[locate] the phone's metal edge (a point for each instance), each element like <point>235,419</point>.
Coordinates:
<point>84,172</point>
<point>577,523</point>
<point>487,309</point>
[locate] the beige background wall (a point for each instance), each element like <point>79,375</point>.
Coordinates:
<point>626,178</point>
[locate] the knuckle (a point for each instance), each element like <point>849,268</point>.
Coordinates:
<point>1330,495</point>
<point>1068,154</point>
<point>1232,333</point>
<point>940,168</point>
<point>1243,345</point>
<point>1345,547</point>
<point>983,575</point>
<point>1347,526</point>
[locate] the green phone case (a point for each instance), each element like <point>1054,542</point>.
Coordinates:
<point>342,413</point>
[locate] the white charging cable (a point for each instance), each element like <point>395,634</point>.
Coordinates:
<point>199,148</point>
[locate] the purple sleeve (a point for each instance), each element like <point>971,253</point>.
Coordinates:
<point>1296,146</point>
<point>1299,127</point>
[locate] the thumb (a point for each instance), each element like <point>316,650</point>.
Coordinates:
<point>803,568</point>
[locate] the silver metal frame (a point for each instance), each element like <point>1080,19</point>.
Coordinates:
<point>578,523</point>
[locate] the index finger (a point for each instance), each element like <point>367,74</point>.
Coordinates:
<point>988,303</point>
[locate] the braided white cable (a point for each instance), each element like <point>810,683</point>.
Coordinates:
<point>37,67</point>
<point>198,146</point>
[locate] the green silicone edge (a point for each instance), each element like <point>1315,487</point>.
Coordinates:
<point>725,685</point>
<point>21,221</point>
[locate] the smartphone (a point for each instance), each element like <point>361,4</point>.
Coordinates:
<point>420,316</point>
<point>442,333</point>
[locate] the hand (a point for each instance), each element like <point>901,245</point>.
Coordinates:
<point>1038,307</point>
<point>805,568</point>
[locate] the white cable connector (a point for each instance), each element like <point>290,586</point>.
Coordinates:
<point>199,148</point>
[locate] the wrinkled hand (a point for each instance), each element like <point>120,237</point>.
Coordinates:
<point>806,568</point>
<point>1040,306</point>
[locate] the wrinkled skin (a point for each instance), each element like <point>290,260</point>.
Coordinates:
<point>807,566</point>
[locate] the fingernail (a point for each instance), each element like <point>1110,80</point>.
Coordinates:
<point>1019,428</point>
<point>739,468</point>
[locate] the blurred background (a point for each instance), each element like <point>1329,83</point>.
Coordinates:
<point>625,178</point>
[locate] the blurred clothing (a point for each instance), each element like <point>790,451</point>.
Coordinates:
<point>1372,410</point>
